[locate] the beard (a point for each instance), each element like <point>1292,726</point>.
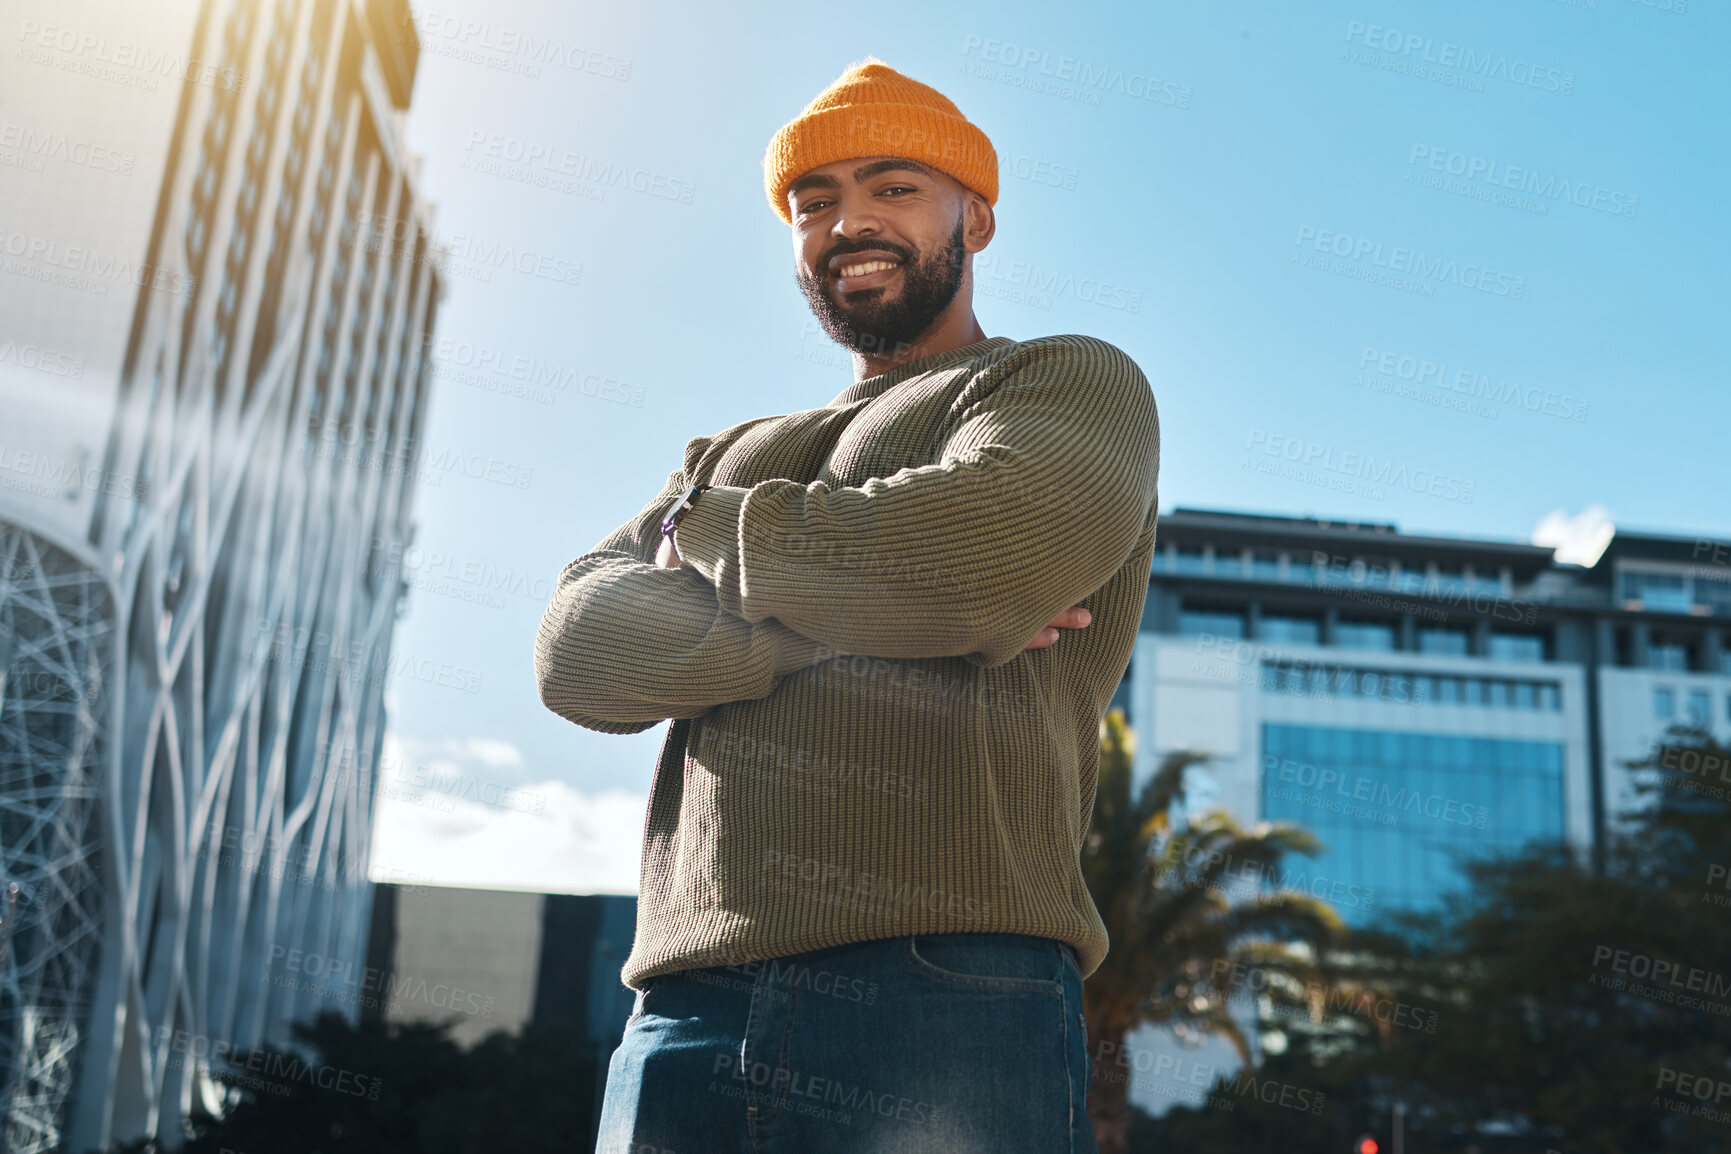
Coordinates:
<point>870,324</point>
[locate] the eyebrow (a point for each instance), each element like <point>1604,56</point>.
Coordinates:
<point>863,172</point>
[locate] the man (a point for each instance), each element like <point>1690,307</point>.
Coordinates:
<point>886,631</point>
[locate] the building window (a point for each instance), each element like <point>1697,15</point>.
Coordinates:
<point>1664,704</point>
<point>1443,642</point>
<point>1516,647</point>
<point>1448,690</point>
<point>1265,566</point>
<point>1670,657</point>
<point>1526,695</point>
<point>1498,793</point>
<point>1550,698</point>
<point>1713,594</point>
<point>1699,708</point>
<point>1289,630</point>
<point>1364,635</point>
<point>1498,694</point>
<point>1472,691</point>
<point>1198,623</point>
<point>1664,592</point>
<point>1189,560</point>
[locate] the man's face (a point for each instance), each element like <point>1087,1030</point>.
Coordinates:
<point>880,247</point>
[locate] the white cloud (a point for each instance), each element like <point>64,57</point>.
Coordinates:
<point>1578,540</point>
<point>445,816</point>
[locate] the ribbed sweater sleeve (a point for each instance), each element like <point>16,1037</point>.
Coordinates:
<point>625,644</point>
<point>1039,495</point>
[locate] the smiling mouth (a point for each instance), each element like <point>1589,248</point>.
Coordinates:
<point>864,273</point>
<point>862,268</point>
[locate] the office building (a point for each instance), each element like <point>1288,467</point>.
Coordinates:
<point>218,278</point>
<point>1411,698</point>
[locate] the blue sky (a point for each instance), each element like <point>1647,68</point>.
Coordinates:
<point>1539,180</point>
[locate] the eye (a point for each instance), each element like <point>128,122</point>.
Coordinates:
<point>899,188</point>
<point>810,206</point>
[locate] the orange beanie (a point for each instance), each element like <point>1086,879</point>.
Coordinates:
<point>873,110</point>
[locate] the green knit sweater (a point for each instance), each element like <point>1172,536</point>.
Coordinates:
<point>861,747</point>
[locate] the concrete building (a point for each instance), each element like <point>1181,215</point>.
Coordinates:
<point>216,281</point>
<point>487,960</point>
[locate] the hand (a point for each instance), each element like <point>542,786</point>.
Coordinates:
<point>1077,618</point>
<point>667,556</point>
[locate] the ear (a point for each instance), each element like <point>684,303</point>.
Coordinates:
<point>979,222</point>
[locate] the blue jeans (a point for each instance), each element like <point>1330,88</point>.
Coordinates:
<point>941,1043</point>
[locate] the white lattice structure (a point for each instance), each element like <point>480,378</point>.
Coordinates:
<point>193,708</point>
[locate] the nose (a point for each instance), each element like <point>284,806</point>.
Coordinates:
<point>858,217</point>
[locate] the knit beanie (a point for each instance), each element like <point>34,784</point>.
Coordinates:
<point>873,110</point>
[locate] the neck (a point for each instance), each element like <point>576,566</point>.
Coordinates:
<point>956,328</point>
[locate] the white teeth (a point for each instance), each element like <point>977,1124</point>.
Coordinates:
<point>868,267</point>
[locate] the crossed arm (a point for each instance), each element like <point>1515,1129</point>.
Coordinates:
<point>1037,498</point>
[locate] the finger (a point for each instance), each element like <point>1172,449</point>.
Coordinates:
<point>1077,618</point>
<point>1044,638</point>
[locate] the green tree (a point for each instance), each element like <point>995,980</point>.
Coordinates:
<point>1186,907</point>
<point>1579,1006</point>
<point>407,1088</point>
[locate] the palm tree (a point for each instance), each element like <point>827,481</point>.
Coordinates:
<point>1181,917</point>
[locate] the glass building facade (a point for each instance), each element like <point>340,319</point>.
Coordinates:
<point>1399,811</point>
